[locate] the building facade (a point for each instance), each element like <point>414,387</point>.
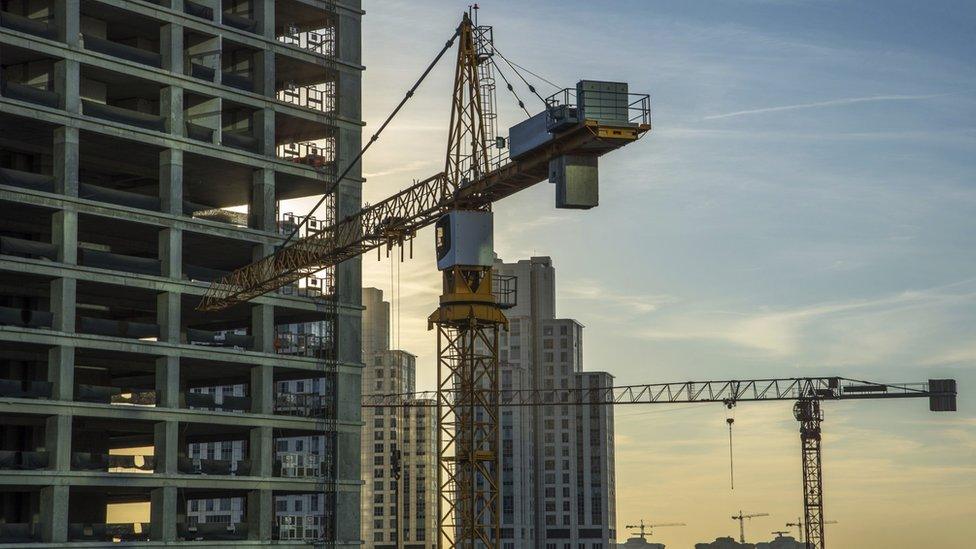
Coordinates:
<point>403,436</point>
<point>145,147</point>
<point>558,488</point>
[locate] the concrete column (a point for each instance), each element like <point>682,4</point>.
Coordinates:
<point>260,509</point>
<point>171,252</point>
<point>63,294</point>
<point>349,37</point>
<point>171,46</point>
<point>168,316</point>
<point>262,327</point>
<point>166,442</point>
<point>163,513</point>
<point>264,131</point>
<point>264,73</point>
<point>262,376</point>
<point>261,451</point>
<point>67,19</point>
<point>64,235</point>
<point>262,389</point>
<point>171,106</point>
<point>171,181</point>
<point>66,155</point>
<point>168,382</point>
<point>57,442</point>
<point>264,14</point>
<point>61,372</point>
<point>67,82</point>
<point>54,514</point>
<point>263,208</point>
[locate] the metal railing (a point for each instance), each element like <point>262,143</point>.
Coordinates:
<point>304,405</point>
<point>320,41</point>
<point>292,527</point>
<point>309,345</point>
<point>313,154</point>
<point>607,106</point>
<point>302,464</point>
<point>320,98</point>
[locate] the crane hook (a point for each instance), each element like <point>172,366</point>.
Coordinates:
<point>730,419</point>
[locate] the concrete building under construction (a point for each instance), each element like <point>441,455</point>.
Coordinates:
<point>145,147</point>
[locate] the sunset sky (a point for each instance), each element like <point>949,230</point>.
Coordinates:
<point>805,205</point>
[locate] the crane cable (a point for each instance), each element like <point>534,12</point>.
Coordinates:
<point>730,419</point>
<point>375,136</point>
<point>511,88</point>
<point>519,74</point>
<point>544,79</point>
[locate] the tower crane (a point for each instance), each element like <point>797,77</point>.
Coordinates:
<point>742,523</point>
<point>562,144</point>
<point>648,527</point>
<point>811,391</point>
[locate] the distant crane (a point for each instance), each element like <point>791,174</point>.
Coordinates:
<point>807,393</point>
<point>780,533</point>
<point>742,523</point>
<point>642,527</point>
<point>799,526</point>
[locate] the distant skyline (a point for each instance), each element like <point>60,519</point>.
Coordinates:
<point>804,206</point>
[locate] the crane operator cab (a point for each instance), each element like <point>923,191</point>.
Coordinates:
<point>464,238</point>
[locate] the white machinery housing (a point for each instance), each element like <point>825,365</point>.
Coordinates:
<point>464,237</point>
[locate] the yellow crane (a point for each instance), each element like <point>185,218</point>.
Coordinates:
<point>562,144</point>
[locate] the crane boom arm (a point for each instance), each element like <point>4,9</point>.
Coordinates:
<point>403,214</point>
<point>941,393</point>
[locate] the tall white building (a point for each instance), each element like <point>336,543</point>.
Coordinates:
<point>408,429</point>
<point>557,461</point>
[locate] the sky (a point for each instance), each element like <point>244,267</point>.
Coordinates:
<point>803,206</point>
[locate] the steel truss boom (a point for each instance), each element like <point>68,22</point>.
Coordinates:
<point>399,217</point>
<point>727,391</point>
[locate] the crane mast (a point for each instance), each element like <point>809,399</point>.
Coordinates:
<point>467,322</point>
<point>808,413</point>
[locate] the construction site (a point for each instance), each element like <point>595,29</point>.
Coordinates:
<point>202,314</point>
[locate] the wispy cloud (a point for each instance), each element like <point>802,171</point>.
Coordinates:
<point>591,290</point>
<point>831,103</point>
<point>782,332</point>
<point>406,167</point>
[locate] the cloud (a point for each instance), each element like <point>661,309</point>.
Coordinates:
<point>588,289</point>
<point>406,167</point>
<point>782,333</point>
<point>831,103</point>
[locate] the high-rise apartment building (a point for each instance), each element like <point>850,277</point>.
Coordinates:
<point>145,146</point>
<point>557,461</point>
<point>405,433</point>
